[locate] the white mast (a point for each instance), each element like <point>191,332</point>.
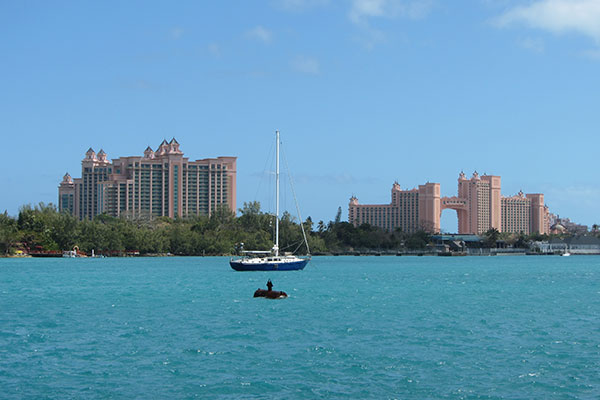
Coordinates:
<point>276,248</point>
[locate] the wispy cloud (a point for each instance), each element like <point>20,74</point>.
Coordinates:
<point>364,13</point>
<point>259,33</point>
<point>557,16</point>
<point>362,10</point>
<point>306,65</point>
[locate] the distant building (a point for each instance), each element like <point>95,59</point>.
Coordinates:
<point>482,203</point>
<point>66,194</point>
<point>479,207</point>
<point>565,225</point>
<point>525,213</point>
<point>539,214</point>
<point>516,213</point>
<point>579,244</point>
<point>161,183</point>
<point>409,211</point>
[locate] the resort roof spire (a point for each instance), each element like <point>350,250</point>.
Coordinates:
<point>90,155</point>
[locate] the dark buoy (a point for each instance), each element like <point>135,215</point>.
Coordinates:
<point>270,293</point>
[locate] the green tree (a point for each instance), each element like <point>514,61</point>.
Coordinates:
<point>418,240</point>
<point>8,233</point>
<point>64,231</point>
<point>36,226</point>
<point>338,216</point>
<point>181,239</point>
<point>252,219</point>
<point>491,236</point>
<point>222,217</point>
<point>321,226</point>
<point>521,241</point>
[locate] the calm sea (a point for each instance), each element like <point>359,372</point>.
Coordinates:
<point>518,327</point>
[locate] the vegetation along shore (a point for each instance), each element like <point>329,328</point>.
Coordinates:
<point>42,231</point>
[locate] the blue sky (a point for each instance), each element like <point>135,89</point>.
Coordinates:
<point>365,92</point>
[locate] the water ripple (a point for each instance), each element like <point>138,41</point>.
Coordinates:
<point>354,327</point>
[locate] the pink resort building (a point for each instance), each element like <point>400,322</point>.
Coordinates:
<point>479,207</point>
<point>409,211</point>
<point>159,183</point>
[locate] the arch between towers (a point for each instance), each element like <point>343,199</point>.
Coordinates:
<point>461,206</point>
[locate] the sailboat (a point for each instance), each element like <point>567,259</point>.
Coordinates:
<point>272,260</point>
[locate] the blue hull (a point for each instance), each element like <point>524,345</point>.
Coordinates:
<point>288,266</point>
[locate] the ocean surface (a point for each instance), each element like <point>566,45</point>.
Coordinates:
<point>519,327</point>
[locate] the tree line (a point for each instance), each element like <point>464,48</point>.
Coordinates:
<point>42,229</point>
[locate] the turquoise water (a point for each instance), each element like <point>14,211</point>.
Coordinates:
<point>353,327</point>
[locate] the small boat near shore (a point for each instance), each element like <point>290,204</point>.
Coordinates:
<point>250,262</point>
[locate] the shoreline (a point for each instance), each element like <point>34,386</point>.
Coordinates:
<point>340,254</point>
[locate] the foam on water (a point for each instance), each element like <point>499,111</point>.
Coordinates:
<point>355,327</point>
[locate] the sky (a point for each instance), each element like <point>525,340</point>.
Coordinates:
<point>364,92</point>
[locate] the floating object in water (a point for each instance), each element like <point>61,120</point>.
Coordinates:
<point>270,294</point>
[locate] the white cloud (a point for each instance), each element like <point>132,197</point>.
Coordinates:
<point>259,33</point>
<point>306,65</point>
<point>557,16</point>
<point>362,10</point>
<point>367,8</point>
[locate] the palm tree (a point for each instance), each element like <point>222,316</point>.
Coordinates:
<point>491,237</point>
